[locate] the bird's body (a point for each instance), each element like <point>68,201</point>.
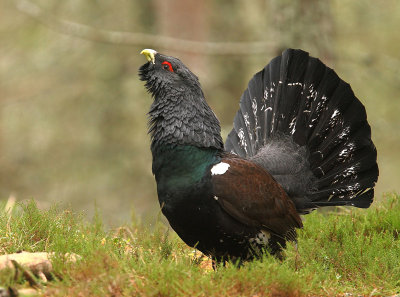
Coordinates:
<point>300,141</point>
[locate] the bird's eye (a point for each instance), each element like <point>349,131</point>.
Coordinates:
<point>167,66</point>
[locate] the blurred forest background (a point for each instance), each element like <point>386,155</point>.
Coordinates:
<point>73,125</point>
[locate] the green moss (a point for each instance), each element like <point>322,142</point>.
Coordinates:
<point>352,251</point>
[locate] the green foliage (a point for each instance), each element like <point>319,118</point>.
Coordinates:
<point>349,251</point>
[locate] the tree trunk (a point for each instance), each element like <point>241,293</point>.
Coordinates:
<point>305,24</point>
<point>185,19</point>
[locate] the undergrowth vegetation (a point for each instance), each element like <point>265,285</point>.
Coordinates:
<point>346,251</point>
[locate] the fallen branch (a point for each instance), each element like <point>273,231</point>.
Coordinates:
<point>37,263</point>
<point>142,39</point>
<point>33,282</point>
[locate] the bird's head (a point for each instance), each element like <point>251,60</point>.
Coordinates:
<point>179,114</point>
<point>165,74</point>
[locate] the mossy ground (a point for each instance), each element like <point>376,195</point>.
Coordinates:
<point>349,251</point>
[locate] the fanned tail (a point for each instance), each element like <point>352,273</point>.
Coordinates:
<point>303,124</point>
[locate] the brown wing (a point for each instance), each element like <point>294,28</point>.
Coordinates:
<point>251,195</point>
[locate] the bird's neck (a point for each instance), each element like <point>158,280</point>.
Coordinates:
<point>177,166</point>
<point>184,119</point>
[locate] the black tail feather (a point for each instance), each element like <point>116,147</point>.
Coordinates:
<point>301,122</point>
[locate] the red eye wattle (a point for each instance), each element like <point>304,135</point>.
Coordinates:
<point>167,66</point>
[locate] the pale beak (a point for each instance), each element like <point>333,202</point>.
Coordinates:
<point>149,54</point>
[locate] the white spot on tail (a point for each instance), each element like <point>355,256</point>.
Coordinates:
<point>350,171</point>
<point>292,125</point>
<point>335,114</point>
<point>220,168</point>
<point>295,84</point>
<point>266,94</point>
<point>344,133</point>
<point>216,198</point>
<point>246,120</point>
<point>243,142</point>
<point>255,109</point>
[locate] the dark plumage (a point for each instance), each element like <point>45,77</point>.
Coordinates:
<point>300,141</point>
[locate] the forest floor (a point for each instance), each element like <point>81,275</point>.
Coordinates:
<point>348,252</point>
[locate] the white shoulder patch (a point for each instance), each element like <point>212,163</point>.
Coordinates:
<point>220,168</point>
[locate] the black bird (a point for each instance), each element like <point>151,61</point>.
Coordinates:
<point>300,141</point>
